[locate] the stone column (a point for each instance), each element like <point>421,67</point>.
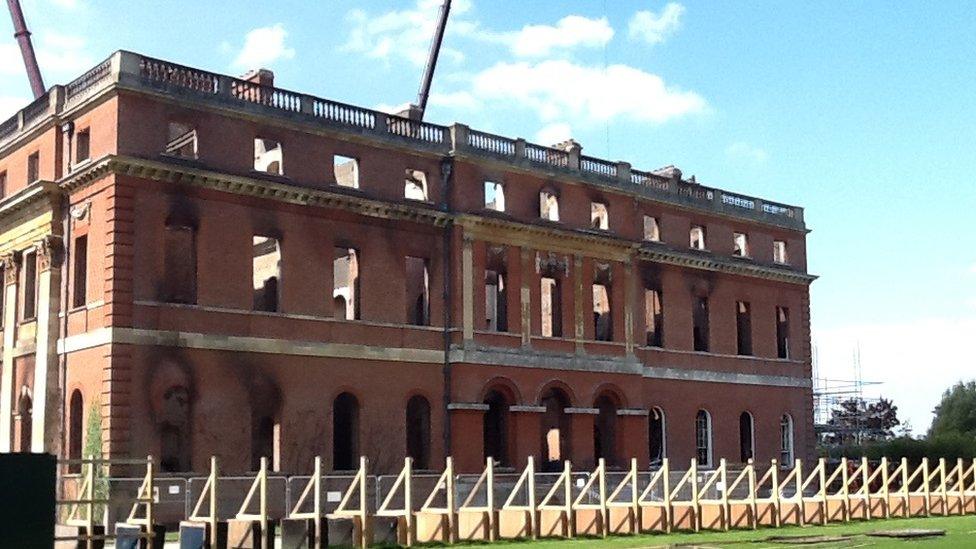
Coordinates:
<point>525,275</point>
<point>46,435</point>
<point>632,436</point>
<point>467,423</point>
<point>580,315</point>
<point>11,272</point>
<point>526,433</point>
<point>467,289</point>
<point>582,436</point>
<point>630,299</point>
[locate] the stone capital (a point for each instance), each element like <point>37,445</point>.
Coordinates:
<point>11,267</point>
<point>49,252</point>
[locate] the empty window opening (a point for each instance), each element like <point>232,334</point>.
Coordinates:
<point>3,184</point>
<point>265,441</point>
<point>548,206</point>
<point>346,171</point>
<point>25,417</point>
<point>80,286</point>
<point>652,232</point>
<point>179,264</point>
<point>605,430</point>
<point>740,245</point>
<point>556,424</point>
<point>345,432</point>
<point>700,319</point>
<point>173,430</point>
<point>268,156</point>
<point>602,315</point>
<point>698,237</point>
<point>599,218</point>
<point>495,428</point>
<point>75,429</point>
<point>786,440</point>
<point>29,310</point>
<point>418,431</point>
<point>779,252</point>
<point>266,271</point>
<point>657,436</point>
<point>654,315</point>
<point>703,438</point>
<point>33,167</point>
<point>496,301</point>
<point>82,145</point>
<point>782,332</point>
<point>552,310</point>
<point>743,327</point>
<point>345,284</point>
<point>747,439</point>
<point>181,140</point>
<point>415,185</point>
<point>494,196</point>
<point>418,291</point>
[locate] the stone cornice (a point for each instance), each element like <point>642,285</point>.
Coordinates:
<point>720,264</point>
<point>490,227</point>
<point>254,187</point>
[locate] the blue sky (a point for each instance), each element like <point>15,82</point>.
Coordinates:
<point>862,112</point>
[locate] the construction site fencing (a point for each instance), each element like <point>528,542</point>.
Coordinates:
<point>447,507</point>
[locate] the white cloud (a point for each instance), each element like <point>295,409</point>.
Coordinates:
<point>460,100</point>
<point>559,88</point>
<point>263,47</point>
<point>404,33</point>
<point>556,132</point>
<point>569,32</point>
<point>654,28</point>
<point>916,360</point>
<point>10,104</point>
<point>741,151</point>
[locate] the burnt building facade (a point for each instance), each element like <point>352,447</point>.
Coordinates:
<point>196,264</point>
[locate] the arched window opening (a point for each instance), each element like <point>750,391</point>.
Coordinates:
<point>415,185</point>
<point>496,427</point>
<point>602,304</point>
<point>657,436</point>
<point>747,439</point>
<point>418,431</point>
<point>76,424</point>
<point>496,292</point>
<point>548,206</point>
<point>494,196</point>
<point>25,411</point>
<point>174,423</point>
<point>345,432</point>
<point>264,433</point>
<point>605,430</point>
<point>703,438</point>
<point>786,454</point>
<point>555,430</point>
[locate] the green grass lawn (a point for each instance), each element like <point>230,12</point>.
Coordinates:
<point>960,532</point>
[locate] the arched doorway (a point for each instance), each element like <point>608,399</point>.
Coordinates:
<point>345,432</point>
<point>25,412</point>
<point>747,440</point>
<point>656,436</point>
<point>495,426</point>
<point>556,424</point>
<point>76,426</point>
<point>418,431</point>
<point>703,438</point>
<point>605,429</point>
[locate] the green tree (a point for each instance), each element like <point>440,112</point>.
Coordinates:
<point>956,413</point>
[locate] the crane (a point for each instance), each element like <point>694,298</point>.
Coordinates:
<point>416,110</point>
<point>26,48</point>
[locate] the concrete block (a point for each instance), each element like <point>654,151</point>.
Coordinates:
<point>128,537</point>
<point>196,535</point>
<point>247,534</point>
<point>300,534</point>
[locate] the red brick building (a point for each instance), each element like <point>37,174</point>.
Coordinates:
<point>216,266</point>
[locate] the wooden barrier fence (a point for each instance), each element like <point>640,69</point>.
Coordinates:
<point>81,507</point>
<point>568,504</point>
